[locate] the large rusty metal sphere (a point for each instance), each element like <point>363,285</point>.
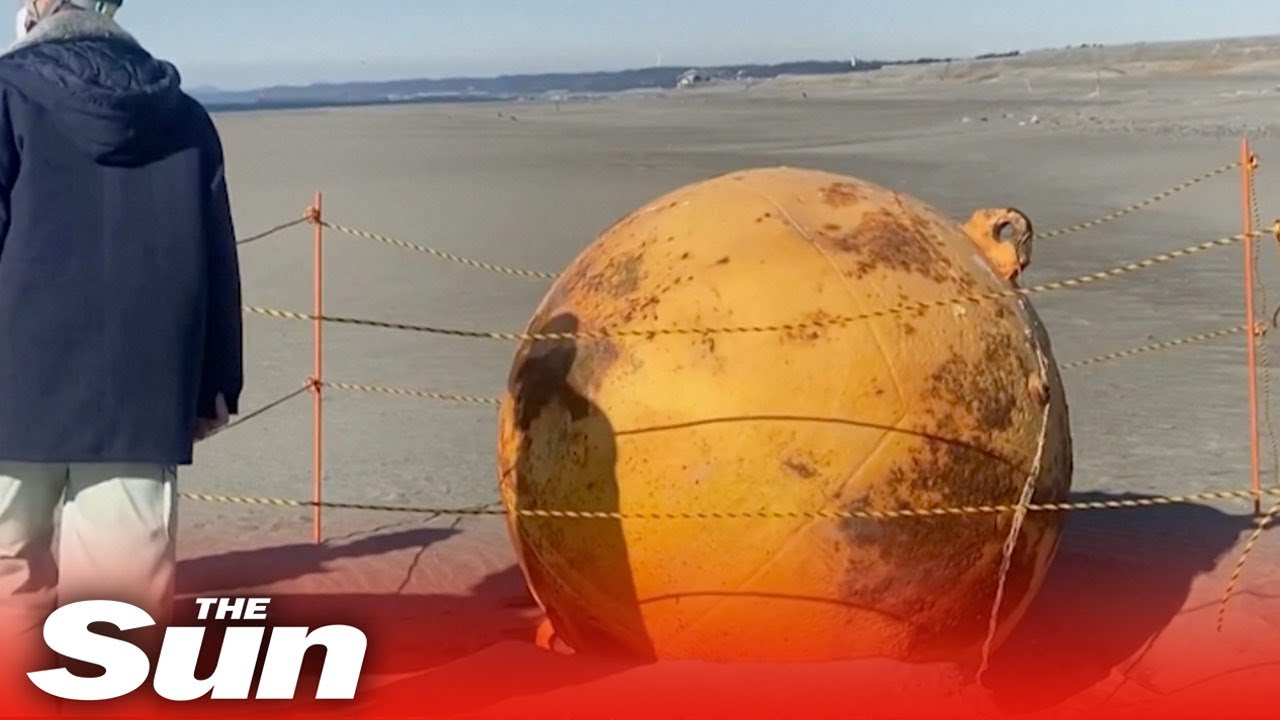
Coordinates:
<point>927,407</point>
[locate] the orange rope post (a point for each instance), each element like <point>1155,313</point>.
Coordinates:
<point>317,371</point>
<point>1251,321</point>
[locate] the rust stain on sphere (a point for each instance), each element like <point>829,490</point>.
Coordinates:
<point>927,408</point>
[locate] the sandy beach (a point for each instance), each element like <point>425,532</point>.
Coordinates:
<point>1065,136</point>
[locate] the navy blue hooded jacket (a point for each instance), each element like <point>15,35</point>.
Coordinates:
<point>119,284</point>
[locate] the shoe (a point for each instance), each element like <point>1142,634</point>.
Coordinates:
<point>547,639</point>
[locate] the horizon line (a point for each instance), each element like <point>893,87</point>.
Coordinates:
<point>684,67</point>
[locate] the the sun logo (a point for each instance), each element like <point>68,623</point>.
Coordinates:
<point>127,668</point>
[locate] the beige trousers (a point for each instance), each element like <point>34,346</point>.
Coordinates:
<point>114,541</point>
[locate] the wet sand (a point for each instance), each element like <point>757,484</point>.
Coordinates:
<point>1062,136</point>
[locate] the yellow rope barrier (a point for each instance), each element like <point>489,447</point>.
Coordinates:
<point>478,264</point>
<point>1263,523</point>
<point>1024,506</point>
<point>900,514</point>
<point>404,392</point>
<point>261,411</point>
<point>277,229</point>
<point>1263,350</point>
<point>493,401</point>
<point>1154,347</point>
<point>1129,210</point>
<point>520,272</point>
<point>838,321</point>
<point>1011,541</point>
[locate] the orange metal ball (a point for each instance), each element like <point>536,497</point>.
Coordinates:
<point>840,407</point>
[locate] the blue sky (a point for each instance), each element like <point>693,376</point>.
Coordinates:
<point>241,43</point>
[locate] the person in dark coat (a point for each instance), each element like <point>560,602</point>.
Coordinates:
<point>120,336</point>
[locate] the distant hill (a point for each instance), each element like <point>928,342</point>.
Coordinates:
<point>533,86</point>
<point>504,87</point>
<point>550,85</point>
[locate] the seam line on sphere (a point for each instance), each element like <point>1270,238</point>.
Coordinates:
<point>752,575</point>
<point>848,288</point>
<point>844,282</point>
<point>879,447</point>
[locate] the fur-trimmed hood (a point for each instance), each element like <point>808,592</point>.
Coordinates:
<point>105,91</point>
<point>72,24</point>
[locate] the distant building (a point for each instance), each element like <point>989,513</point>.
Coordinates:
<point>689,78</point>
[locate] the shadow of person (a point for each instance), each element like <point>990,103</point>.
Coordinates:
<point>267,566</point>
<point>558,452</point>
<point>563,456</point>
<point>1119,579</point>
<point>451,647</point>
<point>410,632</point>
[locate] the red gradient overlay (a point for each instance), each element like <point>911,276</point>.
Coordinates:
<point>1125,626</point>
<point>1071,672</point>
